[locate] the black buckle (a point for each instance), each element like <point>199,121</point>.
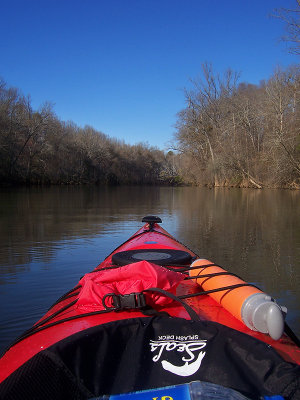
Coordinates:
<point>124,302</point>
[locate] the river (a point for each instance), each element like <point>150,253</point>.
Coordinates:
<point>51,236</point>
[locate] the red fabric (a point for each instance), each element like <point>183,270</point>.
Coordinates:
<point>128,279</point>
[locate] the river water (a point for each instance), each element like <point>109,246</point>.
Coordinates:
<point>51,236</point>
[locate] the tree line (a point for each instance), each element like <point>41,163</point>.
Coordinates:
<point>37,148</point>
<point>229,134</point>
<point>233,134</point>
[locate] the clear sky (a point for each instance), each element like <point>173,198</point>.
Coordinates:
<point>121,65</point>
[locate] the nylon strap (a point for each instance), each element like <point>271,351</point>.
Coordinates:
<point>192,313</point>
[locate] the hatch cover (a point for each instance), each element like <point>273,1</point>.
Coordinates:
<point>157,256</point>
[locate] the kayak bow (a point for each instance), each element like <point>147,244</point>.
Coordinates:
<point>154,291</point>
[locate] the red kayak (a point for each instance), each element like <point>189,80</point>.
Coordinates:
<point>152,300</point>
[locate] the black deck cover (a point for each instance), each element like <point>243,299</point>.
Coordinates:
<point>144,353</point>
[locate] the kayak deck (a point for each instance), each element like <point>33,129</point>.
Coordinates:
<point>151,241</point>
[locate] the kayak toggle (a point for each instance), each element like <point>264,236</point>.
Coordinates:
<point>151,220</point>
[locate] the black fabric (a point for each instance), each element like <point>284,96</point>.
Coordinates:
<point>156,256</point>
<point>45,377</point>
<point>116,358</point>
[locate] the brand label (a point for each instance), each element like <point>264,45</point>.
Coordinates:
<point>187,353</point>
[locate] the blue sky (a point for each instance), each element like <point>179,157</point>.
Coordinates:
<point>121,65</point>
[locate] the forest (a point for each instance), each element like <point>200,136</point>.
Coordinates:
<point>229,134</point>
<point>238,134</point>
<point>37,148</point>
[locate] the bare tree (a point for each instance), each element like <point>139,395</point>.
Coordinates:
<point>291,18</point>
<point>247,135</point>
<point>282,108</point>
<point>200,126</point>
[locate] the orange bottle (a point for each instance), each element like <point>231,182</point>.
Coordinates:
<point>250,305</point>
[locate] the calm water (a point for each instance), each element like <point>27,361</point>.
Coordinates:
<point>51,236</point>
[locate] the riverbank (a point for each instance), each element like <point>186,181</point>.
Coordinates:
<point>244,184</point>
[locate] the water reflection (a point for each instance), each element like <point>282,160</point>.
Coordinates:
<point>34,220</point>
<point>51,236</point>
